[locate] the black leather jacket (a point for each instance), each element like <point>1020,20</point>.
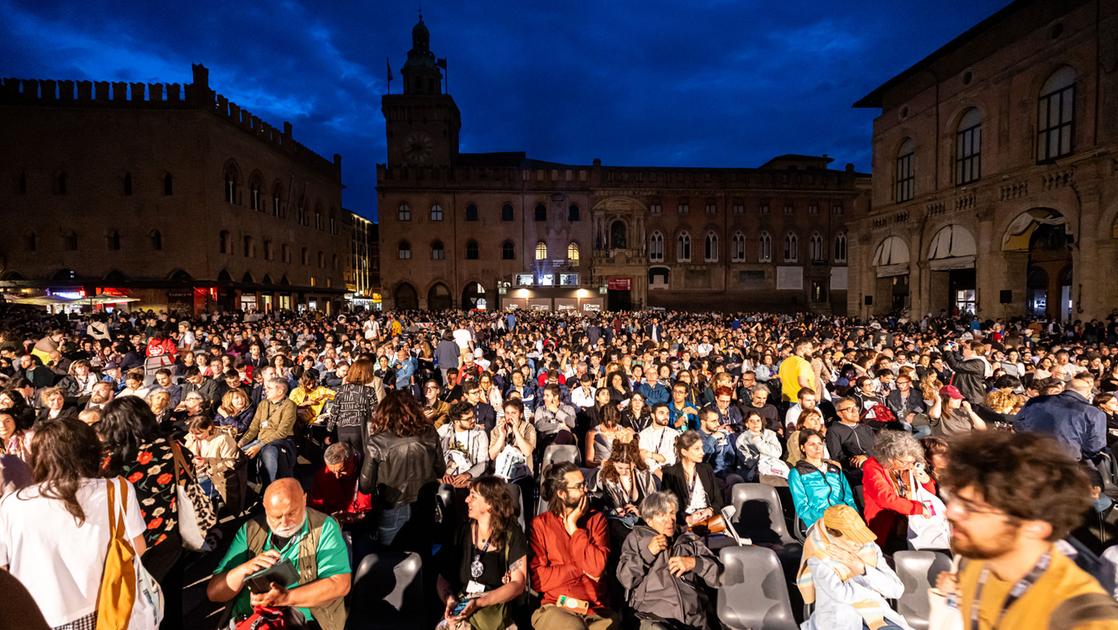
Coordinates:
<point>397,467</point>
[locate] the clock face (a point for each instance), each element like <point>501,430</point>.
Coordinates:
<point>417,148</point>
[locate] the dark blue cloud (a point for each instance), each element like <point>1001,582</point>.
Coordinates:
<point>651,82</point>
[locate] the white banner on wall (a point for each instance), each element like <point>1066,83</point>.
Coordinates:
<point>838,278</point>
<point>790,278</point>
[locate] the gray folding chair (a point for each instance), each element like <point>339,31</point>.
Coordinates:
<point>518,505</point>
<point>918,571</point>
<point>560,453</point>
<point>759,515</point>
<point>754,591</point>
<point>387,592</point>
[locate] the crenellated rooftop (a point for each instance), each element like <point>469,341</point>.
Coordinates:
<point>197,96</point>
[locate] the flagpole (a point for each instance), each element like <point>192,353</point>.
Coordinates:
<point>388,69</point>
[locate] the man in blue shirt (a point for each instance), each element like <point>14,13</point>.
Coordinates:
<point>1069,418</point>
<point>654,392</point>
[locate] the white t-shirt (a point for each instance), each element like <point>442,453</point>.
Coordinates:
<point>462,337</point>
<point>657,439</point>
<point>59,561</point>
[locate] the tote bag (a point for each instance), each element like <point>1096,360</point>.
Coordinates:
<point>196,511</point>
<point>129,598</point>
<point>932,531</point>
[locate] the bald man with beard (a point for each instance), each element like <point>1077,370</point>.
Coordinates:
<point>288,530</point>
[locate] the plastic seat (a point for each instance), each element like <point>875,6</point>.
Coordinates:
<point>444,501</point>
<point>754,592</point>
<point>518,505</point>
<point>560,453</point>
<point>759,514</point>
<point>387,592</point>
<point>918,571</point>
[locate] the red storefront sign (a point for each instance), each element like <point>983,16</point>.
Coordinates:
<point>620,284</point>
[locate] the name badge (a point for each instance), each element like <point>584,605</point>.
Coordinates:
<point>264,424</point>
<point>473,588</point>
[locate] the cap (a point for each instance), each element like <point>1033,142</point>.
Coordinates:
<point>846,519</point>
<point>951,392</point>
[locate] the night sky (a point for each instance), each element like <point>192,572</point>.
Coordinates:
<point>633,82</point>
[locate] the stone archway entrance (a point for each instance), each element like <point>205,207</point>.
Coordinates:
<point>952,280</point>
<point>473,296</point>
<point>438,297</point>
<point>1041,235</point>
<point>405,297</point>
<point>890,264</point>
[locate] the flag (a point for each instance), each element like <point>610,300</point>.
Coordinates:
<point>388,69</point>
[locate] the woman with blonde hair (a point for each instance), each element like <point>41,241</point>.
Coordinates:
<point>235,412</point>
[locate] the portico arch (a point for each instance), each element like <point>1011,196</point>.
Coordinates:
<point>1039,238</point>
<point>953,285</point>
<point>891,269</point>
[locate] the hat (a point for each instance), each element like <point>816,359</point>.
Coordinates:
<point>845,519</point>
<point>951,392</point>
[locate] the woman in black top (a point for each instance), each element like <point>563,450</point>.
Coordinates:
<point>637,416</point>
<point>692,481</point>
<point>487,562</point>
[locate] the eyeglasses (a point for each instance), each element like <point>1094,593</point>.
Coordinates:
<point>844,409</point>
<point>968,507</point>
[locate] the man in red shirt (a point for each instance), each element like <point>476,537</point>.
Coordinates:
<point>569,548</point>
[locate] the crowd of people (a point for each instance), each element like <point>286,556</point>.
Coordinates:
<point>554,470</point>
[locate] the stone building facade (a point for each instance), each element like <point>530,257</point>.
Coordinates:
<point>463,230</point>
<point>164,192</point>
<point>995,163</point>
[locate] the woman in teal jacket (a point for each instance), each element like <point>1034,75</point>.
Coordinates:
<point>816,483</point>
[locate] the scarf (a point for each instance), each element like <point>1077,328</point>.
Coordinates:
<point>817,546</point>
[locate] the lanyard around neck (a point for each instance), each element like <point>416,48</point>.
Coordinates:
<point>1014,594</point>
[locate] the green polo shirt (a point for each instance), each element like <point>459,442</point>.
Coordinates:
<point>332,556</point>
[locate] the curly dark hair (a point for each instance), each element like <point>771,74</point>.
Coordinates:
<point>401,414</point>
<point>1026,475</point>
<point>126,423</point>
<point>502,509</point>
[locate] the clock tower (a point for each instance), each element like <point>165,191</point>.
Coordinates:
<point>422,123</point>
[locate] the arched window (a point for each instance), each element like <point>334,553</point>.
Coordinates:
<point>710,247</point>
<point>438,251</point>
<point>333,221</point>
<point>268,253</point>
<point>232,182</point>
<point>541,250</point>
<point>436,212</point>
<point>168,185</point>
<point>618,234</point>
<point>573,213</point>
<point>506,212</point>
<point>403,251</point>
<point>791,248</point>
<point>156,238</point>
<point>815,248</point>
<point>737,247</point>
<point>249,247</point>
<point>277,200</point>
<point>508,250</point>
<point>1056,115</point>
<point>968,148</point>
<point>128,184</point>
<point>904,187</point>
<point>70,241</point>
<point>840,247</point>
<point>255,202</point>
<point>573,253</point>
<point>656,247</point>
<point>225,247</point>
<point>683,247</point>
<point>471,250</point>
<point>471,212</point>
<point>765,248</point>
<point>403,213</point>
<point>318,222</point>
<point>112,240</point>
<point>541,212</point>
